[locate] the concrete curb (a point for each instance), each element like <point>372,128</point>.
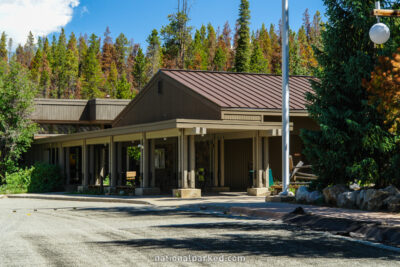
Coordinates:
<point>81,198</point>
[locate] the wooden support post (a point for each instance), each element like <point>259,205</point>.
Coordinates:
<point>184,161</point>
<point>266,161</point>
<point>67,166</point>
<point>119,163</point>
<point>152,163</point>
<point>112,161</point>
<point>216,161</point>
<point>91,164</point>
<point>180,161</point>
<point>85,165</point>
<point>192,149</point>
<point>222,162</point>
<point>259,155</point>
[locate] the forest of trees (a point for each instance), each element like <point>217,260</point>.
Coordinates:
<point>90,66</point>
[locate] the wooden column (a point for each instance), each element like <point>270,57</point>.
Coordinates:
<point>266,161</point>
<point>119,163</point>
<point>222,162</point>
<point>61,160</point>
<point>91,164</point>
<point>67,166</point>
<point>192,149</point>
<point>259,157</point>
<point>152,165</point>
<point>144,161</point>
<point>183,160</point>
<point>112,161</point>
<point>85,165</point>
<point>216,161</point>
<point>179,157</point>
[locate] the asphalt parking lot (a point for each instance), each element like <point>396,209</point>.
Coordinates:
<point>71,233</point>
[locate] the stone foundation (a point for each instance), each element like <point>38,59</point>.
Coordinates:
<point>186,193</point>
<point>258,191</point>
<point>141,191</point>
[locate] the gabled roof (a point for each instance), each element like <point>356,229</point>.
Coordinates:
<point>243,90</point>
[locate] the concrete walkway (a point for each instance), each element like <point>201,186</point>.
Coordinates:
<point>236,203</point>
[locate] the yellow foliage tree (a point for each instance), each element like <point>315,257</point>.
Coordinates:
<point>384,90</point>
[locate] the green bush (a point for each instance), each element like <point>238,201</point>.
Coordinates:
<point>39,178</point>
<point>18,181</point>
<point>45,178</point>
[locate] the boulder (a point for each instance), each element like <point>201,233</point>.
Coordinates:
<point>392,203</point>
<point>367,194</point>
<point>354,186</point>
<point>360,198</point>
<point>347,199</point>
<point>375,199</point>
<point>331,193</point>
<point>314,197</point>
<point>391,190</point>
<point>301,194</point>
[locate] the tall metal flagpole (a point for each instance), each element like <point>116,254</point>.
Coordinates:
<point>285,97</point>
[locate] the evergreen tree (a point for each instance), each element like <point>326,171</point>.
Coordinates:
<point>59,65</point>
<point>45,70</point>
<point>121,52</point>
<point>72,66</point>
<point>265,45</point>
<point>177,38</point>
<point>123,88</point>
<point>139,69</point>
<point>198,53</point>
<point>3,47</point>
<point>211,46</point>
<point>352,143</point>
<point>275,59</point>
<point>112,81</point>
<point>153,53</point>
<point>20,55</point>
<point>92,77</point>
<point>108,53</point>
<point>220,59</point>
<point>227,47</point>
<point>29,50</point>
<point>258,64</point>
<point>35,66</point>
<point>243,42</point>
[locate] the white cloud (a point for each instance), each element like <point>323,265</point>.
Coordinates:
<point>84,10</point>
<point>42,17</point>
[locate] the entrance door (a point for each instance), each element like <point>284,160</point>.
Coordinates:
<point>238,163</point>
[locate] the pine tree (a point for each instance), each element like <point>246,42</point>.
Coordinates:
<point>72,66</point>
<point>123,90</point>
<point>211,46</point>
<point>29,50</point>
<point>139,69</point>
<point>59,64</point>
<point>45,69</point>
<point>3,47</point>
<point>265,45</point>
<point>258,64</point>
<point>243,42</point>
<point>153,53</point>
<point>227,38</point>
<point>220,59</point>
<point>275,59</point>
<point>352,143</point>
<point>198,51</point>
<point>112,81</point>
<point>177,37</point>
<point>121,52</point>
<point>108,53</point>
<point>20,55</point>
<point>92,77</point>
<point>35,66</point>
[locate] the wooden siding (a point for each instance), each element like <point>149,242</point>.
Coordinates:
<point>67,110</point>
<point>238,162</point>
<point>173,102</point>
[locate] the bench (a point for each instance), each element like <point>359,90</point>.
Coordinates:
<point>131,176</point>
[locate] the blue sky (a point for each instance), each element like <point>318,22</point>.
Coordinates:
<point>134,18</point>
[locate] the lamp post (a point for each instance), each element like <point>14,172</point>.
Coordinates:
<point>379,32</point>
<point>285,99</point>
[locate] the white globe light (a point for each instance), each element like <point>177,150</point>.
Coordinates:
<point>379,33</point>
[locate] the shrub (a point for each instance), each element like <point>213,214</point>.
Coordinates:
<point>39,178</point>
<point>45,178</point>
<point>18,181</point>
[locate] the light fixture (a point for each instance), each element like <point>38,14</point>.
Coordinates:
<point>379,33</point>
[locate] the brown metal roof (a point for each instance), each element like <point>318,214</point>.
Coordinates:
<point>243,90</point>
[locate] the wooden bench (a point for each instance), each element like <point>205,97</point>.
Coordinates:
<point>131,176</point>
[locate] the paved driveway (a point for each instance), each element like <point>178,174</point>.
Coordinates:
<point>64,233</point>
